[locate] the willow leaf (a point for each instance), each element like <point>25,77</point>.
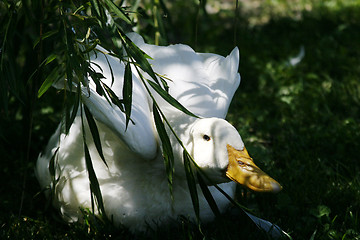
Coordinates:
<point>118,11</point>
<point>44,36</point>
<point>91,47</point>
<point>234,202</point>
<point>111,71</point>
<point>99,13</point>
<point>165,95</point>
<point>67,109</point>
<point>271,229</point>
<point>47,82</point>
<point>160,27</point>
<point>168,154</point>
<point>52,170</point>
<point>95,5</point>
<point>127,92</point>
<point>209,198</point>
<point>95,133</point>
<point>191,184</point>
<point>165,84</point>
<point>76,107</point>
<point>114,98</point>
<point>52,163</point>
<point>94,183</point>
<point>139,56</point>
<point>96,78</point>
<point>50,58</point>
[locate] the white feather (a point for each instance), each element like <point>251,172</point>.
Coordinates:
<point>134,186</point>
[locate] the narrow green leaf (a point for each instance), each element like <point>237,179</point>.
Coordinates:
<point>139,56</point>
<point>4,94</point>
<point>50,58</point>
<point>91,47</point>
<point>52,170</point>
<point>54,180</point>
<point>75,108</point>
<point>115,100</point>
<point>84,70</point>
<point>96,77</point>
<point>96,11</point>
<point>88,34</point>
<point>118,11</point>
<point>191,184</point>
<point>127,92</point>
<point>94,183</point>
<point>79,9</point>
<point>69,74</point>
<point>167,149</point>
<point>165,95</point>
<point>160,28</point>
<point>209,198</point>
<point>95,133</point>
<point>44,36</point>
<point>111,71</point>
<point>52,164</point>
<point>47,82</point>
<point>9,25</point>
<point>68,106</point>
<point>49,34</point>
<point>164,83</point>
<point>234,202</point>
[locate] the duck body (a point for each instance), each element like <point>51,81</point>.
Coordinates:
<point>134,198</point>
<point>134,184</point>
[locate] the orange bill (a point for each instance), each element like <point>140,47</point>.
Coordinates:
<point>243,170</point>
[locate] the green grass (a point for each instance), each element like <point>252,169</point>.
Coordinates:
<point>301,124</point>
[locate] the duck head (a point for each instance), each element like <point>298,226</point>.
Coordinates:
<point>218,149</point>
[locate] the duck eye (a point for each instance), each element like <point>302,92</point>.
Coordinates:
<point>206,137</point>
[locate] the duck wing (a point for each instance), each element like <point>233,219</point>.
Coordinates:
<point>139,136</point>
<point>202,82</point>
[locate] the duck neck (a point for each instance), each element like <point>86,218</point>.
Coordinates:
<point>182,126</point>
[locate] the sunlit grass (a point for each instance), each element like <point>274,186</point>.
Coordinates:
<point>307,118</point>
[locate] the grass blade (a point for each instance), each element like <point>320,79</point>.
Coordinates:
<point>165,95</point>
<point>167,149</point>
<point>127,92</point>
<point>95,133</point>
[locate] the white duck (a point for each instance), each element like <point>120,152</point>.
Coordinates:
<point>134,186</point>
